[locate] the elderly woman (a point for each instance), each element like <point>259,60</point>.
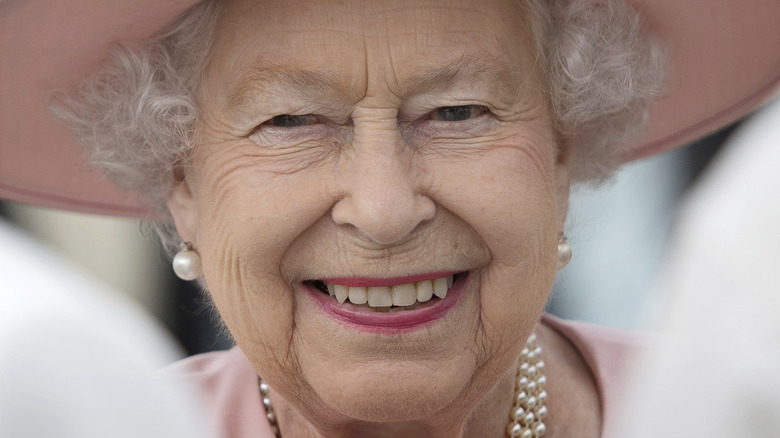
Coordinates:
<point>374,193</point>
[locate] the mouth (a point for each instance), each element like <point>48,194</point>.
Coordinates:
<point>389,305</point>
<point>396,297</point>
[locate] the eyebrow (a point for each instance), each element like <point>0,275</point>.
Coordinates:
<point>277,78</point>
<point>326,85</point>
<point>466,69</point>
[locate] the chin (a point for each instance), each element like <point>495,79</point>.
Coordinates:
<point>395,393</point>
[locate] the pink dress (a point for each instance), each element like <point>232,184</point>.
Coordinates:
<point>228,383</point>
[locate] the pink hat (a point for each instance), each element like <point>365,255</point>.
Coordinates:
<point>725,57</point>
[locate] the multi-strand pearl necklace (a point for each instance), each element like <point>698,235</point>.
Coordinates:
<point>526,418</point>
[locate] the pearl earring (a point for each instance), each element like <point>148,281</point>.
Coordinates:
<point>186,263</point>
<point>564,251</point>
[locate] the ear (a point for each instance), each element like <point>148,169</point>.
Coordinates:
<point>562,180</point>
<point>183,208</point>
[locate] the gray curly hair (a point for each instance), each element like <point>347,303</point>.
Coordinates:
<point>138,116</point>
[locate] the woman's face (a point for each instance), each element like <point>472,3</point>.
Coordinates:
<point>359,145</point>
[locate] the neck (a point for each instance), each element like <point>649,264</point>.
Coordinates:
<point>574,404</point>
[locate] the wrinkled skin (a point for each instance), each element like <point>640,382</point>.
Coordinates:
<point>373,178</point>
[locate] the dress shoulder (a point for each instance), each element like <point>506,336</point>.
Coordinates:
<point>228,386</point>
<point>612,356</point>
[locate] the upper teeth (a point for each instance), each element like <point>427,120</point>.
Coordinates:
<point>405,294</point>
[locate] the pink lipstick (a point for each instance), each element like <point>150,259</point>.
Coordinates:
<point>366,319</point>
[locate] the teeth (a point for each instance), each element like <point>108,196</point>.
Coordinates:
<point>342,292</point>
<point>440,287</point>
<point>404,294</point>
<point>379,297</point>
<point>424,291</point>
<point>384,297</point>
<point>358,295</point>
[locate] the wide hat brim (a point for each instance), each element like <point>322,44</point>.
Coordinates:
<point>725,61</point>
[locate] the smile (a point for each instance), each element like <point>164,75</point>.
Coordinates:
<point>405,296</point>
<point>394,305</point>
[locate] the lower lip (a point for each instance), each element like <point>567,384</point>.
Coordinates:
<point>365,319</point>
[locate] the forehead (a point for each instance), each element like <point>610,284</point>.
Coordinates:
<point>390,40</point>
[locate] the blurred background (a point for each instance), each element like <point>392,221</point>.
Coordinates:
<point>618,233</point>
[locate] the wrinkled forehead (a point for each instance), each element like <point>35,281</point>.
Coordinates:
<point>389,40</point>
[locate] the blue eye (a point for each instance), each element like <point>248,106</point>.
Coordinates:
<point>457,113</point>
<point>291,121</point>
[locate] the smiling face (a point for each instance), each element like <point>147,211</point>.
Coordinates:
<point>377,150</point>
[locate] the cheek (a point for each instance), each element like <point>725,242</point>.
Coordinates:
<point>508,198</point>
<point>257,204</point>
<point>507,194</point>
<point>248,217</point>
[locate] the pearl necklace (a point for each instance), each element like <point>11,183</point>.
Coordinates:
<point>526,418</point>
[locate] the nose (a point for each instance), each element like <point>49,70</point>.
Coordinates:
<point>384,196</point>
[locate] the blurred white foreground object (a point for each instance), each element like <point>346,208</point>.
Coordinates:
<point>78,362</point>
<point>717,371</point>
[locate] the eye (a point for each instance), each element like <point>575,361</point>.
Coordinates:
<point>292,121</point>
<point>458,113</point>
<point>291,129</point>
